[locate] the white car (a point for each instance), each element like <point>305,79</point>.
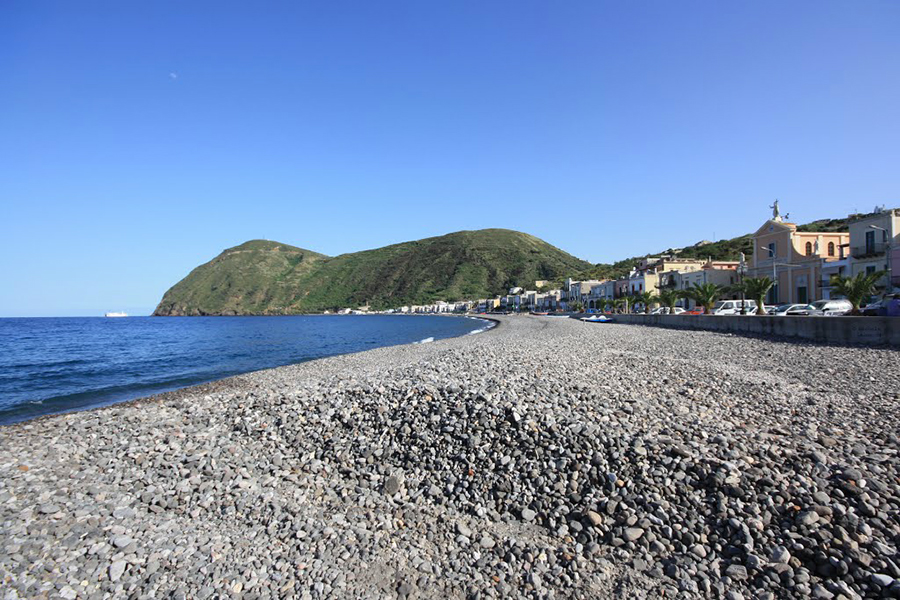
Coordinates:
<point>793,310</point>
<point>664,310</point>
<point>733,307</point>
<point>831,308</point>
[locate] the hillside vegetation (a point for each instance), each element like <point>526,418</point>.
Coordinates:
<point>262,277</point>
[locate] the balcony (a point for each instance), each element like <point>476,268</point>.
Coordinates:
<point>868,250</point>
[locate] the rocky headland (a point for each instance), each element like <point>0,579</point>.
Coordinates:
<point>547,458</point>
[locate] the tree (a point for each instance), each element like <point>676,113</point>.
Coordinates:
<point>576,306</point>
<point>704,294</point>
<point>856,289</point>
<point>668,297</point>
<point>756,288</point>
<point>620,304</point>
<point>646,298</point>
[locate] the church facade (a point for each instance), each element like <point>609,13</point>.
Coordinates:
<point>799,262</point>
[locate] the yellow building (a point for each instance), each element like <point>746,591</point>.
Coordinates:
<point>794,259</point>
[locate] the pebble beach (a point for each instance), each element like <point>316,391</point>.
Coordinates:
<point>544,458</point>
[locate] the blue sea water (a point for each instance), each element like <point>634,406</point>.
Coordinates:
<point>53,365</point>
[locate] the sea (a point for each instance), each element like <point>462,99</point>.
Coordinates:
<point>56,365</point>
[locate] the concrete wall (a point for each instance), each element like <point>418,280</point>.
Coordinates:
<point>828,330</point>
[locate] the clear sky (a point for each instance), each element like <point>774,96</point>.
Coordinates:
<point>139,139</point>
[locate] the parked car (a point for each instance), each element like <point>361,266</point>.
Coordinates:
<point>831,308</point>
<point>733,307</point>
<point>697,310</point>
<point>664,310</point>
<point>793,310</point>
<point>874,309</point>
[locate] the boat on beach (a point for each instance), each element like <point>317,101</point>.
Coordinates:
<point>596,319</point>
<point>115,314</point>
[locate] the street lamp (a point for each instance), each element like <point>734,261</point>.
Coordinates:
<point>887,250</point>
<point>774,274</point>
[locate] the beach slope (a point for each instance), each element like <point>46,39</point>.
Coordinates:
<point>544,458</point>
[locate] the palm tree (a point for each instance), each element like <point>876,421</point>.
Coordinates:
<point>668,297</point>
<point>856,289</point>
<point>619,304</point>
<point>704,294</point>
<point>646,298</point>
<point>756,288</point>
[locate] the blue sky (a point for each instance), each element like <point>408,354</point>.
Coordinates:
<point>139,139</point>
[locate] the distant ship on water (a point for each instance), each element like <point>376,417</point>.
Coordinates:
<point>116,314</point>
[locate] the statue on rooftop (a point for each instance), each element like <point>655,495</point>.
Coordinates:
<point>776,213</point>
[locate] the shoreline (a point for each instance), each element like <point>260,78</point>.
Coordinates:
<point>161,395</point>
<point>638,461</point>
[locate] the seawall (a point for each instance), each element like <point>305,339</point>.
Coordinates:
<point>872,331</point>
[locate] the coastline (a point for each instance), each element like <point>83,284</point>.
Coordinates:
<point>471,465</point>
<point>48,403</point>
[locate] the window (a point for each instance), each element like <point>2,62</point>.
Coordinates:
<point>809,248</point>
<point>772,250</point>
<point>870,269</point>
<point>870,242</point>
<point>830,248</point>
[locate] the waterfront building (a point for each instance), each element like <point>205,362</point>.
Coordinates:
<point>875,244</point>
<point>601,293</point>
<point>552,300</point>
<point>724,275</point>
<point>580,290</point>
<point>794,259</point>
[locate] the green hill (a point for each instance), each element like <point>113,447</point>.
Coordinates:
<point>257,277</point>
<point>261,277</point>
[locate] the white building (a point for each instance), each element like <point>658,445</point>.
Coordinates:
<point>601,293</point>
<point>687,280</point>
<point>580,290</point>
<point>875,244</point>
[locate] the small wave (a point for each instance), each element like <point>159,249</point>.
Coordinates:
<point>488,324</point>
<point>425,341</point>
